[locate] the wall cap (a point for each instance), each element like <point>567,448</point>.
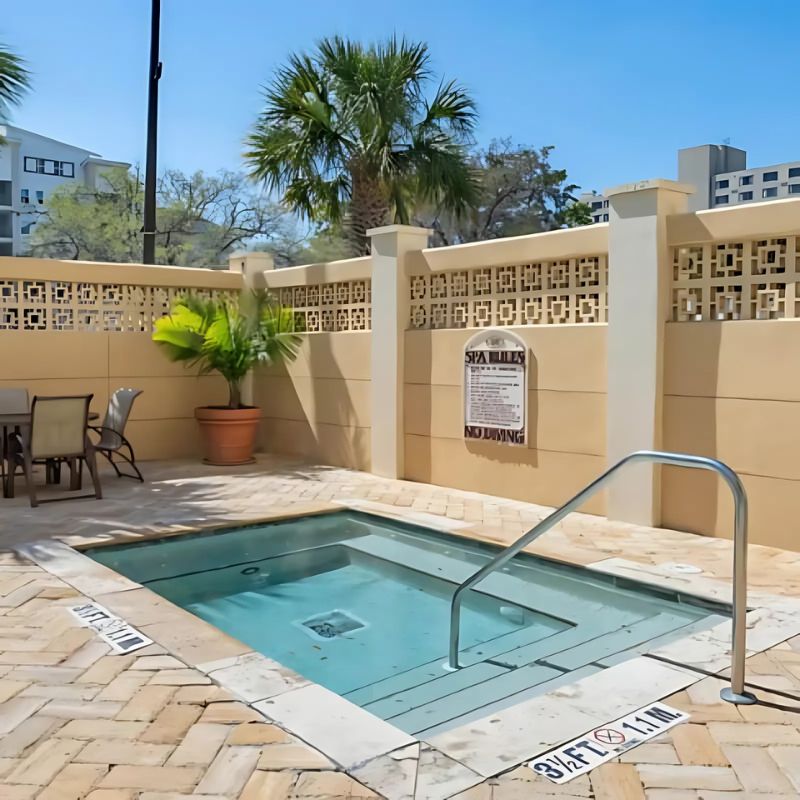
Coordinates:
<point>652,183</point>
<point>28,268</point>
<point>399,229</point>
<point>351,269</point>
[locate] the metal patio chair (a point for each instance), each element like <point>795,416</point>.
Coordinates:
<point>12,401</point>
<point>112,432</point>
<point>57,434</point>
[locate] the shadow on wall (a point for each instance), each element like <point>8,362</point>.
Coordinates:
<point>307,407</point>
<point>417,449</point>
<point>339,445</point>
<point>690,497</point>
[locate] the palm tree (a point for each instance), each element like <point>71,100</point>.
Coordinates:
<point>349,137</point>
<point>14,80</point>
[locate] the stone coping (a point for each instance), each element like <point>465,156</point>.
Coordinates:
<point>374,751</point>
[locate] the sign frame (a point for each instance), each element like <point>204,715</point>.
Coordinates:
<point>496,340</point>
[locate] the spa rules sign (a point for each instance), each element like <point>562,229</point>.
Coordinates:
<point>495,387</point>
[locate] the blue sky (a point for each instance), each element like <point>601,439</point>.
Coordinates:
<point>617,86</point>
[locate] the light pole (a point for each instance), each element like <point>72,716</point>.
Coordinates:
<point>154,74</point>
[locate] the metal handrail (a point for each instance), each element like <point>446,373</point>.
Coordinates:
<point>735,693</point>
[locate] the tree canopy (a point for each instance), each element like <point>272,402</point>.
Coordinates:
<point>350,136</point>
<point>200,219</point>
<point>519,192</point>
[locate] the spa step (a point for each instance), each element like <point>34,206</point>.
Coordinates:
<point>446,691</point>
<point>598,647</point>
<point>412,719</point>
<point>457,693</point>
<point>500,651</point>
<point>659,641</point>
<point>476,656</point>
<point>481,701</point>
<point>551,685</point>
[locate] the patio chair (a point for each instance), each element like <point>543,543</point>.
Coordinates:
<point>57,433</point>
<point>12,401</point>
<point>112,432</point>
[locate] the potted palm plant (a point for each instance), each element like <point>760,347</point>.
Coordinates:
<point>229,335</point>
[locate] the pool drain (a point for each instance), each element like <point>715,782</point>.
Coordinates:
<point>331,624</point>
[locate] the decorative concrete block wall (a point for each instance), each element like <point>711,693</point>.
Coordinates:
<point>553,294</point>
<point>660,329</point>
<point>71,327</point>
<point>731,385</point>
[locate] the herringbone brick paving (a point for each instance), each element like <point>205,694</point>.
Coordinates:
<point>79,723</point>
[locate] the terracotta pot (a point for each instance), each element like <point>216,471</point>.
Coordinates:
<point>229,434</point>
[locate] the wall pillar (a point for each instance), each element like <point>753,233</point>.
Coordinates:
<point>639,305</point>
<point>252,266</point>
<point>390,313</point>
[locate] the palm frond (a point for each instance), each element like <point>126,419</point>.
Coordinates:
<point>451,107</point>
<point>15,79</point>
<point>227,335</point>
<point>443,173</point>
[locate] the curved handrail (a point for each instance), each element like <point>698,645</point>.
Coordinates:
<point>735,693</point>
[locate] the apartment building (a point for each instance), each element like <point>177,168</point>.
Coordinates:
<point>32,166</point>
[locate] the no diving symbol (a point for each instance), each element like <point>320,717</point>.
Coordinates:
<point>609,736</point>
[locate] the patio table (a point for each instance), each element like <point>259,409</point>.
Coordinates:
<point>19,420</point>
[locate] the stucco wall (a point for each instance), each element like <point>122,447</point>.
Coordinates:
<point>162,422</point>
<point>732,391</point>
<point>318,407</point>
<point>566,416</point>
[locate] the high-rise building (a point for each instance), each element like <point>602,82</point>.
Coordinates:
<point>721,178</point>
<point>31,167</point>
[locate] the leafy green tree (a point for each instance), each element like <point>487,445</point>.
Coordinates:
<point>326,243</point>
<point>349,137</point>
<point>14,81</point>
<point>102,224</point>
<point>519,192</point>
<point>200,219</point>
<point>576,214</point>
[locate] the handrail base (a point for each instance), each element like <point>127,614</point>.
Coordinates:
<point>743,699</point>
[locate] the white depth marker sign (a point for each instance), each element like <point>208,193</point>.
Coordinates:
<point>113,630</point>
<point>574,758</point>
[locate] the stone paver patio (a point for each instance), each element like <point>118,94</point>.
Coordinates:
<point>77,722</point>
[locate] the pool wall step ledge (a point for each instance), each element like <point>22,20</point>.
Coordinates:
<point>252,676</point>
